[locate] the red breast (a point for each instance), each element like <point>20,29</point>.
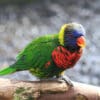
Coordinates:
<point>64,58</point>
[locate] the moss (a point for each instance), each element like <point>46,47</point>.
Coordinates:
<point>22,93</point>
<point>19,90</point>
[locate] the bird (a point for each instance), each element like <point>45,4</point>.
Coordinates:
<point>51,55</point>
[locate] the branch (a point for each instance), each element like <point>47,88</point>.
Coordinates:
<point>46,90</point>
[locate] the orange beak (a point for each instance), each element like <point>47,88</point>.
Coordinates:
<point>81,42</point>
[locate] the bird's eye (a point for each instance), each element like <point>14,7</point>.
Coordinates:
<point>70,35</point>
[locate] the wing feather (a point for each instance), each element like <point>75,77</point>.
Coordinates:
<point>37,53</point>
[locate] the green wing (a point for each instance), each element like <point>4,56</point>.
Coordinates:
<point>37,53</point>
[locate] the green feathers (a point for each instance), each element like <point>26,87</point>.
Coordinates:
<point>35,57</point>
<point>8,70</point>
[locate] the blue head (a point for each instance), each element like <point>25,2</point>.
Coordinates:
<point>73,35</point>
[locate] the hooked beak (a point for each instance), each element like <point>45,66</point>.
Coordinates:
<point>81,42</point>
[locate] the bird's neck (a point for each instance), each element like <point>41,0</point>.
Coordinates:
<point>72,48</point>
<point>63,58</point>
<point>68,47</point>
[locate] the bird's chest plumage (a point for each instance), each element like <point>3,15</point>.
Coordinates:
<point>63,58</point>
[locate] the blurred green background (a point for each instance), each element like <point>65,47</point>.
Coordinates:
<point>23,20</point>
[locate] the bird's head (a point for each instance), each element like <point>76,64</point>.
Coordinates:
<point>72,35</point>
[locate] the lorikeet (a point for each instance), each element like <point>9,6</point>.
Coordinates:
<point>50,55</point>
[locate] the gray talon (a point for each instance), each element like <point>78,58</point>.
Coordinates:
<point>66,79</point>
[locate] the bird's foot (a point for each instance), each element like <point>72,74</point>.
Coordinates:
<point>60,79</point>
<point>66,79</point>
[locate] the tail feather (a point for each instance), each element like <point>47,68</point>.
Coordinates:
<point>8,70</point>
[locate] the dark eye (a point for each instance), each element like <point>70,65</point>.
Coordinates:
<point>70,35</point>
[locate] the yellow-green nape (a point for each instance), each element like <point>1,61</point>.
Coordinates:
<point>61,34</point>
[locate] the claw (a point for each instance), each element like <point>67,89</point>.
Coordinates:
<point>60,79</point>
<point>66,79</point>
